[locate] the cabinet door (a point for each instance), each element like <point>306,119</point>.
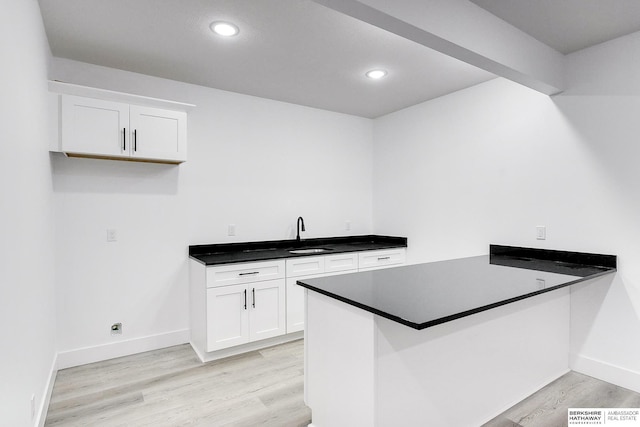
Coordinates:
<point>158,134</point>
<point>267,309</point>
<point>93,126</point>
<point>295,305</point>
<point>227,316</point>
<point>295,299</point>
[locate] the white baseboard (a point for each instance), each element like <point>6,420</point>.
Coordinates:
<point>82,356</point>
<point>605,371</point>
<point>239,349</point>
<point>44,402</point>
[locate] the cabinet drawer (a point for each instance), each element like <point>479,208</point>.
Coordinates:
<point>381,259</point>
<point>232,274</point>
<point>304,266</point>
<point>341,262</point>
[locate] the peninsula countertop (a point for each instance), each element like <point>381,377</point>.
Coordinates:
<point>425,295</point>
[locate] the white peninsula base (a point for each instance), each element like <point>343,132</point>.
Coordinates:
<point>364,370</point>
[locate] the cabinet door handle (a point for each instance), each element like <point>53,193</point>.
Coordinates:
<point>124,139</point>
<point>384,258</point>
<point>248,274</point>
<point>245,299</point>
<point>253,296</point>
<point>135,139</point>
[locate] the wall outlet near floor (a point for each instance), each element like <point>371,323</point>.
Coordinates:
<point>33,406</point>
<point>541,232</point>
<point>116,329</point>
<point>347,225</point>
<point>231,230</point>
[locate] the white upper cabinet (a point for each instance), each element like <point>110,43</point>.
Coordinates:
<point>94,126</point>
<point>158,134</point>
<point>112,125</point>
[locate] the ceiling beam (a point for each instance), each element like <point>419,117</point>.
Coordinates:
<point>465,31</point>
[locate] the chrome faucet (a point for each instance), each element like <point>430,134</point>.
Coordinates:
<point>300,221</point>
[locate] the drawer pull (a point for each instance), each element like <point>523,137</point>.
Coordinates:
<point>248,274</point>
<point>124,139</point>
<point>382,258</point>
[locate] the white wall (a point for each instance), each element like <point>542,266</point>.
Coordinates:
<point>253,162</point>
<point>602,106</point>
<point>27,314</point>
<point>489,163</point>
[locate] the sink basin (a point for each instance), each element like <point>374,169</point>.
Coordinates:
<point>308,251</point>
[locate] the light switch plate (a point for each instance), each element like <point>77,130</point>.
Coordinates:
<point>112,235</point>
<point>541,232</point>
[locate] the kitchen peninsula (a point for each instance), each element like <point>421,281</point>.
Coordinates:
<point>450,343</point>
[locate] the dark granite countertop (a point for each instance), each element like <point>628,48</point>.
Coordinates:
<point>227,253</point>
<point>425,295</point>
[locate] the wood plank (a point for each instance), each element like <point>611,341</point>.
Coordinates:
<point>549,405</point>
<point>171,387</point>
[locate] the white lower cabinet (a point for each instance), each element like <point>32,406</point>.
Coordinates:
<point>244,303</point>
<point>310,268</point>
<point>239,314</point>
<point>236,304</point>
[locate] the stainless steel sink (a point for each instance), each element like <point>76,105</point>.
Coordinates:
<point>308,251</point>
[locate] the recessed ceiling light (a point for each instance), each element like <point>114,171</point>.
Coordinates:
<point>226,29</point>
<point>376,74</point>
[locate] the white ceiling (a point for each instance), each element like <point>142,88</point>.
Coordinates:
<point>302,52</point>
<point>568,25</point>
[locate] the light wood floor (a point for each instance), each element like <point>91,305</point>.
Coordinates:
<point>548,406</point>
<point>170,387</point>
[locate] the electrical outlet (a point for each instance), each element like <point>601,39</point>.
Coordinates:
<point>541,283</point>
<point>347,225</point>
<point>116,329</point>
<point>231,230</point>
<point>112,235</point>
<point>541,232</point>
